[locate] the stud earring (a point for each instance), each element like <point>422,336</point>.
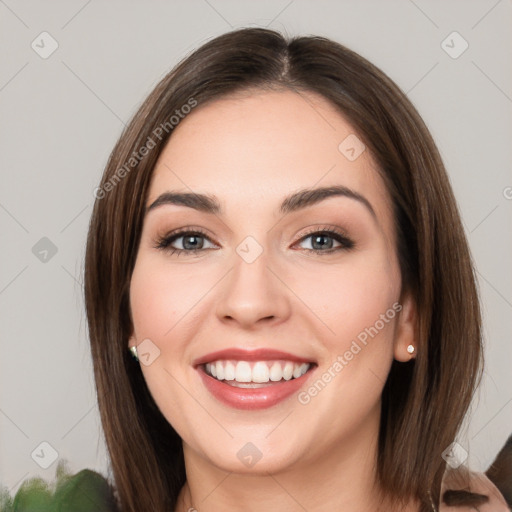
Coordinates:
<point>410,349</point>
<point>133,351</point>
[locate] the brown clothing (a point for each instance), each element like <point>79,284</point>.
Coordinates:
<point>464,490</point>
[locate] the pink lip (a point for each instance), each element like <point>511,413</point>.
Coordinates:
<point>262,354</point>
<point>253,398</point>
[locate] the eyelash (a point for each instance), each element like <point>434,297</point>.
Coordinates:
<point>164,242</point>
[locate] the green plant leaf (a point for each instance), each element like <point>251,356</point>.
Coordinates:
<point>87,491</point>
<point>5,500</point>
<point>33,496</point>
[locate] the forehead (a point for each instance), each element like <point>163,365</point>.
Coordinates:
<point>255,148</point>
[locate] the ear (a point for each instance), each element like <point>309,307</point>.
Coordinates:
<point>132,342</point>
<point>406,330</point>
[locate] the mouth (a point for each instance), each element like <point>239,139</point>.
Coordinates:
<point>246,382</point>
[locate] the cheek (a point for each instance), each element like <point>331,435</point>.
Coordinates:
<point>161,297</point>
<point>150,303</point>
<point>351,297</point>
<point>358,306</point>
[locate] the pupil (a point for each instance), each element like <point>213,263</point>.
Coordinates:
<point>318,237</point>
<point>191,246</point>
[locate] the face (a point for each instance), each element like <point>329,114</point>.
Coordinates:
<point>296,301</point>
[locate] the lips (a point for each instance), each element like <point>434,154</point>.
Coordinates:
<point>257,390</point>
<point>262,354</point>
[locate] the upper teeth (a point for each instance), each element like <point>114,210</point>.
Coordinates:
<point>259,371</point>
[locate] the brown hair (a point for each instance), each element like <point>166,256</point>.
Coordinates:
<point>424,401</point>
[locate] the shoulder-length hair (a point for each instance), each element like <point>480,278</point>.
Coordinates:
<point>424,402</point>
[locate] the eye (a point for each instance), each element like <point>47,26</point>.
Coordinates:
<point>322,240</point>
<point>192,241</point>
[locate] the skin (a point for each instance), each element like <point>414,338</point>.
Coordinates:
<point>251,151</point>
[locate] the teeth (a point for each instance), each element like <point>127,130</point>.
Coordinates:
<point>276,372</point>
<point>229,371</point>
<point>288,371</point>
<point>220,370</point>
<point>257,372</point>
<point>297,372</point>
<point>242,371</point>
<point>260,372</point>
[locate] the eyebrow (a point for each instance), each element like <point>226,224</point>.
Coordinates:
<point>292,203</point>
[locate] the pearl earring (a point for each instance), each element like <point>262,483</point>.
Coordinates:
<point>410,349</point>
<point>133,350</point>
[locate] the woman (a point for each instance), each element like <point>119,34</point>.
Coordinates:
<point>276,240</point>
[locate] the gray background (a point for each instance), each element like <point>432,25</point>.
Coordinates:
<point>62,115</point>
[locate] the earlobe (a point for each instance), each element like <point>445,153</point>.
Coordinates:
<point>405,344</point>
<point>132,347</point>
<point>132,342</point>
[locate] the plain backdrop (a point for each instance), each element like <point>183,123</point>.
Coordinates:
<point>61,115</point>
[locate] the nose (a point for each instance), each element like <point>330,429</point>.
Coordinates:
<point>253,294</point>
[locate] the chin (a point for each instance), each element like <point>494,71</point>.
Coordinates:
<point>252,457</point>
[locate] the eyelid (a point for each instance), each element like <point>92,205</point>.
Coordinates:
<point>322,228</point>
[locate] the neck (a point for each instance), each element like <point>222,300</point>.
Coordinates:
<point>339,479</point>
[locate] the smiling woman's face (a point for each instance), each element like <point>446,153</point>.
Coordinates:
<point>266,277</point>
